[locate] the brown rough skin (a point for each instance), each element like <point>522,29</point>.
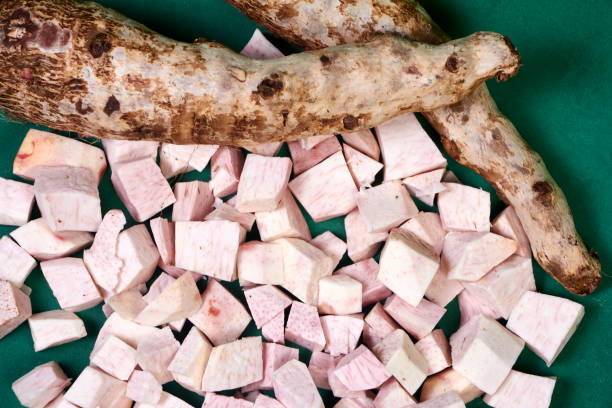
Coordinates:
<point>80,67</point>
<point>473,131</point>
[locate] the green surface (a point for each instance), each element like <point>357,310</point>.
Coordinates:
<point>559,102</point>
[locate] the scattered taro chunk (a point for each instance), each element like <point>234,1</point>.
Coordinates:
<point>194,200</point>
<point>262,183</point>
<point>385,206</point>
<point>304,265</point>
<point>470,255</point>
<point>222,317</point>
<point>464,208</point>
<point>364,141</point>
<point>259,47</point>
<point>263,401</point>
<point>442,290</point>
<point>213,400</point>
<point>115,357</point>
<point>260,262</point>
<point>507,224</point>
<point>179,159</point>
<point>224,211</point>
<point>225,169</point>
<point>327,190</point>
<point>361,244</point>
<point>361,370</point>
<point>402,360</point>
<point>43,244</point>
<point>122,151</point>
<point>128,304</point>
<point>15,263</point>
<point>265,302</point>
<point>163,234</point>
<point>502,288</point>
<point>188,365</point>
<point>274,330</point>
<point>55,327</point>
<point>425,186</point>
<point>449,380</point>
<point>304,327</point>
<point>484,351</point>
<point>436,350</point>
<point>41,385</point>
<point>366,272</point>
<point>217,258</point>
<point>16,202</point>
<point>545,322</point>
<point>15,307</point>
<point>274,357</point>
<point>142,188</point>
<point>155,353</point>
<point>470,306</point>
<point>294,387</point>
<point>304,159</point>
<point>234,365</point>
<point>407,267</point>
<point>331,245</point>
<point>448,400</point>
<point>392,395</point>
<point>418,320</point>
<point>166,401</point>
<point>71,284</point>
<point>143,387</point>
<point>93,389</point>
<point>427,228</point>
<point>320,367</point>
<point>522,390</point>
<point>287,221</point>
<point>60,402</point>
<point>139,255</point>
<point>342,333</point>
<point>406,148</point>
<point>339,295</point>
<point>48,149</point>
<point>128,331</point>
<point>378,325</point>
<point>363,168</point>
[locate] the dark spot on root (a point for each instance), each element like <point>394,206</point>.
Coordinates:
<point>544,193</point>
<point>112,105</point>
<point>594,254</point>
<point>99,45</point>
<point>413,70</point>
<point>350,122</point>
<point>496,134</point>
<point>150,133</point>
<point>49,35</point>
<point>19,29</point>
<point>270,86</point>
<point>286,12</point>
<point>285,114</point>
<point>325,60</point>
<point>465,118</point>
<point>452,64</point>
<point>82,108</point>
<point>26,74</point>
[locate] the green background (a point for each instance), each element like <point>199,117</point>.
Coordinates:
<point>559,102</point>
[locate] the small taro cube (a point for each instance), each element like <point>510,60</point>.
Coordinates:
<point>260,262</point>
<point>265,303</point>
<point>262,183</point>
<point>286,221</point>
<point>274,357</point>
<point>15,263</point>
<point>225,169</point>
<point>378,325</point>
<point>464,208</point>
<point>363,168</point>
<point>121,151</point>
<point>427,228</point>
<point>93,389</point>
<point>274,330</point>
<point>331,245</point>
<point>341,333</point>
<point>339,295</point>
<point>442,290</point>
<point>128,331</point>
<point>143,387</point>
<point>115,357</point>
<point>425,186</point>
<point>449,380</point>
<point>364,141</point>
<point>361,244</point>
<point>139,255</point>
<point>366,272</point>
<point>194,200</point>
<point>178,159</point>
<point>155,353</point>
<point>304,327</point>
<point>436,350</point>
<point>470,306</point>
<point>385,206</point>
<point>522,390</point>
<point>507,224</point>
<point>418,321</point>
<point>392,395</point>
<point>54,328</point>
<point>187,366</point>
<point>361,370</point>
<point>304,159</point>
<point>71,284</point>
<point>320,367</point>
<point>41,385</point>
<point>224,211</point>
<point>16,202</point>
<point>294,387</point>
<point>234,365</point>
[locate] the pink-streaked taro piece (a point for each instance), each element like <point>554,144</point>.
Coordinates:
<point>94,388</point>
<point>48,149</point>
<point>41,385</point>
<point>303,265</point>
<point>392,395</point>
<point>155,353</point>
<point>507,224</point>
<point>436,350</point>
<point>142,188</point>
<point>188,365</point>
<point>226,166</point>
<point>259,47</point>
<point>60,402</point>
<point>418,321</point>
<point>157,287</point>
<point>194,200</point>
<point>43,244</point>
<point>71,284</point>
<point>287,221</point>
<point>260,262</point>
<point>128,331</point>
<point>224,211</point>
<point>364,141</point>
<point>449,380</point>
<point>304,327</point>
<point>163,281</point>
<point>222,317</point>
<point>366,272</point>
<point>16,202</point>
<point>262,183</point>
<point>361,244</point>
<point>139,255</point>
<point>274,330</point>
<point>311,142</point>
<point>265,302</point>
<point>385,206</point>
<point>217,258</point>
<point>15,263</point>
<point>101,259</point>
<point>321,365</point>
<point>331,245</point>
<point>427,228</point>
<point>179,159</point>
<point>341,333</point>
<point>339,295</point>
<point>234,365</point>
<point>484,351</point>
<point>54,328</point>
<point>304,159</point>
<point>522,390</point>
<point>274,357</point>
<point>469,256</point>
<point>406,148</point>
<point>407,267</point>
<point>15,307</point>
<point>115,357</point>
<point>464,208</point>
<point>379,325</point>
<point>213,400</point>
<point>470,306</point>
<point>144,388</point>
<point>363,168</point>
<point>442,290</point>
<point>361,370</point>
<point>122,151</point>
<point>263,401</point>
<point>402,360</point>
<point>163,234</point>
<point>502,288</point>
<point>425,186</point>
<point>294,387</point>
<point>327,190</point>
<point>448,400</point>
<point>365,400</point>
<point>339,389</point>
<point>545,322</point>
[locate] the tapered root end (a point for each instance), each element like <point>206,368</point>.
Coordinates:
<point>581,280</point>
<point>516,57</point>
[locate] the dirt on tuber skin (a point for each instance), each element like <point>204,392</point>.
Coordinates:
<point>474,132</point>
<point>80,67</point>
